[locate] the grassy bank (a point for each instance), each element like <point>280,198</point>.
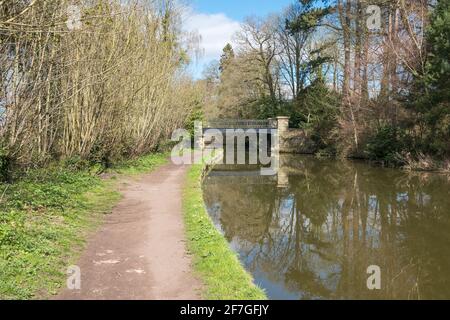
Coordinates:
<point>45,218</point>
<point>215,262</point>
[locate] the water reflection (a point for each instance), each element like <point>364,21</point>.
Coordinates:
<point>315,237</point>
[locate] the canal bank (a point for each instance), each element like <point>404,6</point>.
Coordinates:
<point>214,261</point>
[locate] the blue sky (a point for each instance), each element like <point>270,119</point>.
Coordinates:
<point>218,20</point>
<point>238,10</point>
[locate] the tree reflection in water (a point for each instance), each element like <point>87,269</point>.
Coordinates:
<point>315,238</point>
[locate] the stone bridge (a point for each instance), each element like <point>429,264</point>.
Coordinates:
<point>290,140</point>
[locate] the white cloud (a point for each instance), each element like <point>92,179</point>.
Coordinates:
<point>216,31</point>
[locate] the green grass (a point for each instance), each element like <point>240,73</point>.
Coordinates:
<point>140,165</point>
<point>217,265</point>
<point>45,218</point>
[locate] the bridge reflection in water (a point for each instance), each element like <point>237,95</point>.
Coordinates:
<point>316,237</point>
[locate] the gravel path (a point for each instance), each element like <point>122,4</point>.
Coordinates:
<point>139,252</point>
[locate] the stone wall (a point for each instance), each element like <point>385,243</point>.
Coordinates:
<point>292,140</point>
<point>295,141</point>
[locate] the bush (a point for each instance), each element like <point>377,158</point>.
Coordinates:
<point>77,163</point>
<point>197,114</point>
<point>5,166</point>
<point>386,144</point>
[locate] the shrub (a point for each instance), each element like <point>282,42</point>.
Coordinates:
<point>385,144</point>
<point>5,166</point>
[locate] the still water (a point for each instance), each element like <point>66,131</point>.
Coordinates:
<point>312,231</point>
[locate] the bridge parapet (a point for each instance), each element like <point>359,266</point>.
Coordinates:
<point>240,124</point>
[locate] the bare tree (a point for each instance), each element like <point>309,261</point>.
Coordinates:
<point>292,54</point>
<point>258,43</point>
<point>102,91</point>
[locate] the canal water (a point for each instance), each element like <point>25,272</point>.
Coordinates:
<point>313,231</point>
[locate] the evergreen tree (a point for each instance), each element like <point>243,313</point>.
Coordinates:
<point>437,75</point>
<point>227,57</point>
<point>311,17</point>
<point>430,97</point>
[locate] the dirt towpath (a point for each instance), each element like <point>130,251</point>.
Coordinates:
<point>139,252</point>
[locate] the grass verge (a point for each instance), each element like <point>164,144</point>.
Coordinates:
<point>217,265</point>
<point>45,218</point>
<point>140,165</point>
